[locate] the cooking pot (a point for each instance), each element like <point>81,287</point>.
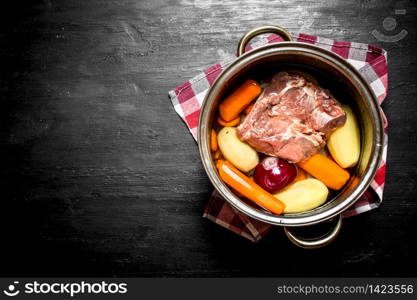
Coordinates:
<point>344,82</point>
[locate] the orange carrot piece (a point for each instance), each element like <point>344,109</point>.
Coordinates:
<point>325,170</point>
<point>228,124</point>
<point>217,154</point>
<point>248,108</point>
<point>233,105</point>
<point>301,175</point>
<point>237,193</point>
<point>248,188</point>
<point>219,163</point>
<point>213,140</point>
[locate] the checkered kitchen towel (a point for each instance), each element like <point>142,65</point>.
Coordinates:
<point>370,60</point>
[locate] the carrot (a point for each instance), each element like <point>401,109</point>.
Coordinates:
<point>233,105</point>
<point>217,154</point>
<point>325,170</point>
<point>213,140</point>
<point>219,163</point>
<point>248,108</point>
<point>248,188</point>
<point>232,123</point>
<point>301,175</point>
<point>237,193</point>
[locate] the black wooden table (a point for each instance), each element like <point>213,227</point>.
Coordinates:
<point>99,175</point>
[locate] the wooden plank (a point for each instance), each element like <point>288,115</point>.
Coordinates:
<point>99,175</point>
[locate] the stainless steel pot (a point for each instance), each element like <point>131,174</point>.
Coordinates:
<point>332,72</point>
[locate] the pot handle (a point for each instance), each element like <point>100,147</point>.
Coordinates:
<point>316,242</point>
<point>260,30</point>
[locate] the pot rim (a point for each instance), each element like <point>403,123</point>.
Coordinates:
<point>291,219</point>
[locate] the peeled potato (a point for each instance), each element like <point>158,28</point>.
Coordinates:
<point>344,143</point>
<point>303,195</point>
<point>240,154</point>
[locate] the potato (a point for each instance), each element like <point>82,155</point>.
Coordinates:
<point>303,195</point>
<point>240,154</point>
<point>344,143</point>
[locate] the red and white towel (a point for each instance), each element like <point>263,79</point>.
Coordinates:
<point>187,98</point>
